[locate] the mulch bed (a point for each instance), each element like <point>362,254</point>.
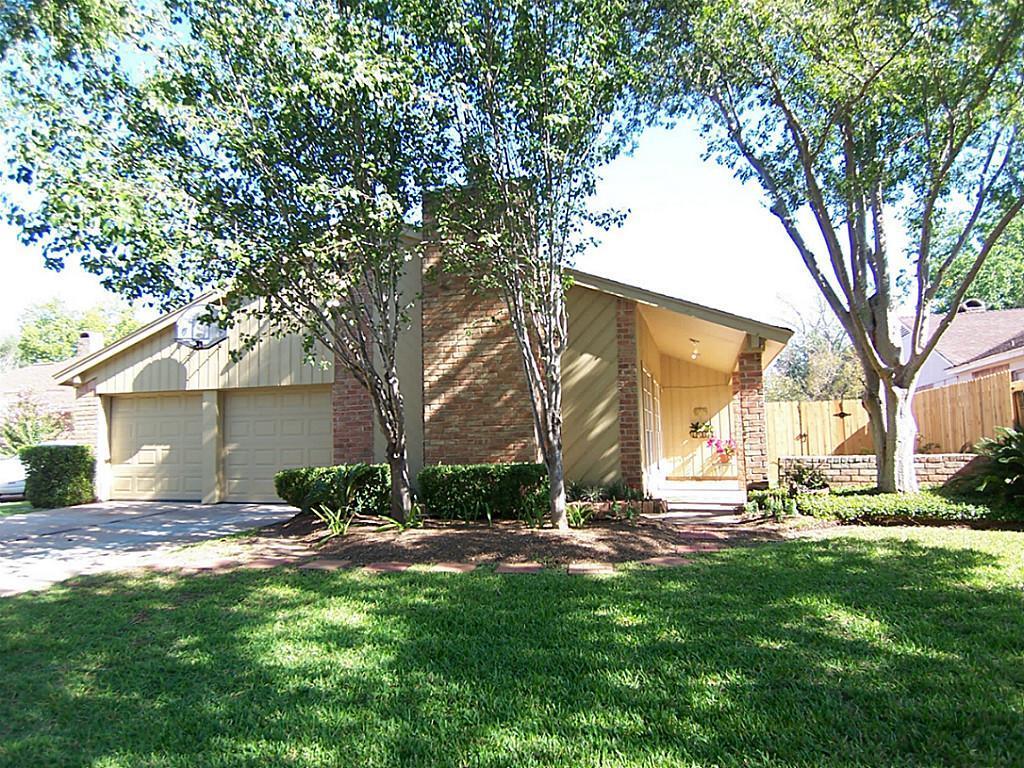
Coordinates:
<point>512,541</point>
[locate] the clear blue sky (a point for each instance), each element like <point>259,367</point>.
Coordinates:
<point>693,231</point>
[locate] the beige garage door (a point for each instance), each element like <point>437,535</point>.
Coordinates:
<point>155,447</point>
<point>267,430</point>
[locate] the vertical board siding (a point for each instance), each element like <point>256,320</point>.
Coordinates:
<point>686,386</point>
<point>159,364</point>
<point>590,399</point>
<point>949,419</point>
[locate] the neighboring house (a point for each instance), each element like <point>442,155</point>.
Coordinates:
<point>37,381</point>
<point>977,343</point>
<point>174,423</point>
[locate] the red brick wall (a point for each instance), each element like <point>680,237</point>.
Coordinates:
<point>476,405</point>
<point>750,381</point>
<point>352,414</point>
<point>630,457</point>
<point>736,421</point>
<point>933,468</point>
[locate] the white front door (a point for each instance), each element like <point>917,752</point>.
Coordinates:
<point>652,430</point>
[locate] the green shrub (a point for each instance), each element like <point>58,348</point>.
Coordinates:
<point>363,489</point>
<point>579,514</point>
<point>617,491</point>
<point>772,502</point>
<point>1003,475</point>
<point>29,423</point>
<point>806,475</point>
<point>58,475</point>
<point>932,504</point>
<point>483,491</point>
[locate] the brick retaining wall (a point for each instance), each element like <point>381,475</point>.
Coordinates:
<point>860,470</point>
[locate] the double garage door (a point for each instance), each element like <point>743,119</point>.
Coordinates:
<point>156,442</point>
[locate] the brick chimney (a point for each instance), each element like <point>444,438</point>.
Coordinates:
<point>89,342</point>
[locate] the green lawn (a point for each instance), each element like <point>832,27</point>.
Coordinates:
<point>14,508</point>
<point>869,649</point>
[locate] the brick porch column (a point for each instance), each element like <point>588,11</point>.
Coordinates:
<point>630,457</point>
<point>352,417</point>
<point>749,388</point>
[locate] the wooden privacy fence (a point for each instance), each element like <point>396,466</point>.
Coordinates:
<point>949,419</point>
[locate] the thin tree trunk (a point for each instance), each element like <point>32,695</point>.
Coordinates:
<point>896,462</point>
<point>401,486</point>
<point>390,406</point>
<point>556,479</point>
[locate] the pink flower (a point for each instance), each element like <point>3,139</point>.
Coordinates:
<point>726,447</point>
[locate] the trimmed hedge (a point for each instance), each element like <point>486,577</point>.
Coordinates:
<point>474,491</point>
<point>58,475</point>
<point>355,488</point>
<point>870,506</point>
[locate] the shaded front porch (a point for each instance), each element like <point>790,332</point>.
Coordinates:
<point>701,407</point>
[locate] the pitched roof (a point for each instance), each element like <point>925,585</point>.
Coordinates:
<point>67,373</point>
<point>1014,342</point>
<point>31,378</point>
<point>683,306</point>
<point>976,335</point>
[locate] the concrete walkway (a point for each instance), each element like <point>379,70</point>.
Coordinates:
<point>38,549</point>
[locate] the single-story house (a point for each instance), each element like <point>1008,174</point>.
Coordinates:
<point>37,381</point>
<point>979,342</point>
<point>170,422</point>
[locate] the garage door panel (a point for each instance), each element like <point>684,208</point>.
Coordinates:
<point>155,447</point>
<point>266,432</point>
<point>323,457</point>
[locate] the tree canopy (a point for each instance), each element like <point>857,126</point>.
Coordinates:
<point>49,332</point>
<point>273,152</point>
<point>1000,281</point>
<point>540,95</point>
<point>856,119</point>
<point>818,363</point>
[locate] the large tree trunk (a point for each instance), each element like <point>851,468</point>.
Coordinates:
<point>894,433</point>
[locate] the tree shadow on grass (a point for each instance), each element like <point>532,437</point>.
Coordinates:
<point>839,652</point>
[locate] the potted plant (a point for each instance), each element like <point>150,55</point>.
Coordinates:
<point>724,449</point>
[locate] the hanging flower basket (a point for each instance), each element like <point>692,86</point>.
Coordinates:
<point>701,429</point>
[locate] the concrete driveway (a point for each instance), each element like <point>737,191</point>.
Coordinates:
<point>40,548</point>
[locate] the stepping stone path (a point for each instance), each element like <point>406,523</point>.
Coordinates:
<point>264,563</point>
<point>281,554</point>
<point>388,567</point>
<point>451,567</point>
<point>325,565</point>
<point>590,569</point>
<point>528,567</point>
<point>666,562</point>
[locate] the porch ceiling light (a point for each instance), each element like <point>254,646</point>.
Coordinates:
<point>696,351</point>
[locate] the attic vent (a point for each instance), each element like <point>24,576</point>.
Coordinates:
<point>190,330</point>
<point>972,305</point>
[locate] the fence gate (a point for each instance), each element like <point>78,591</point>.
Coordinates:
<point>949,419</point>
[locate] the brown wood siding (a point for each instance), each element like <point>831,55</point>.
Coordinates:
<point>590,401</point>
